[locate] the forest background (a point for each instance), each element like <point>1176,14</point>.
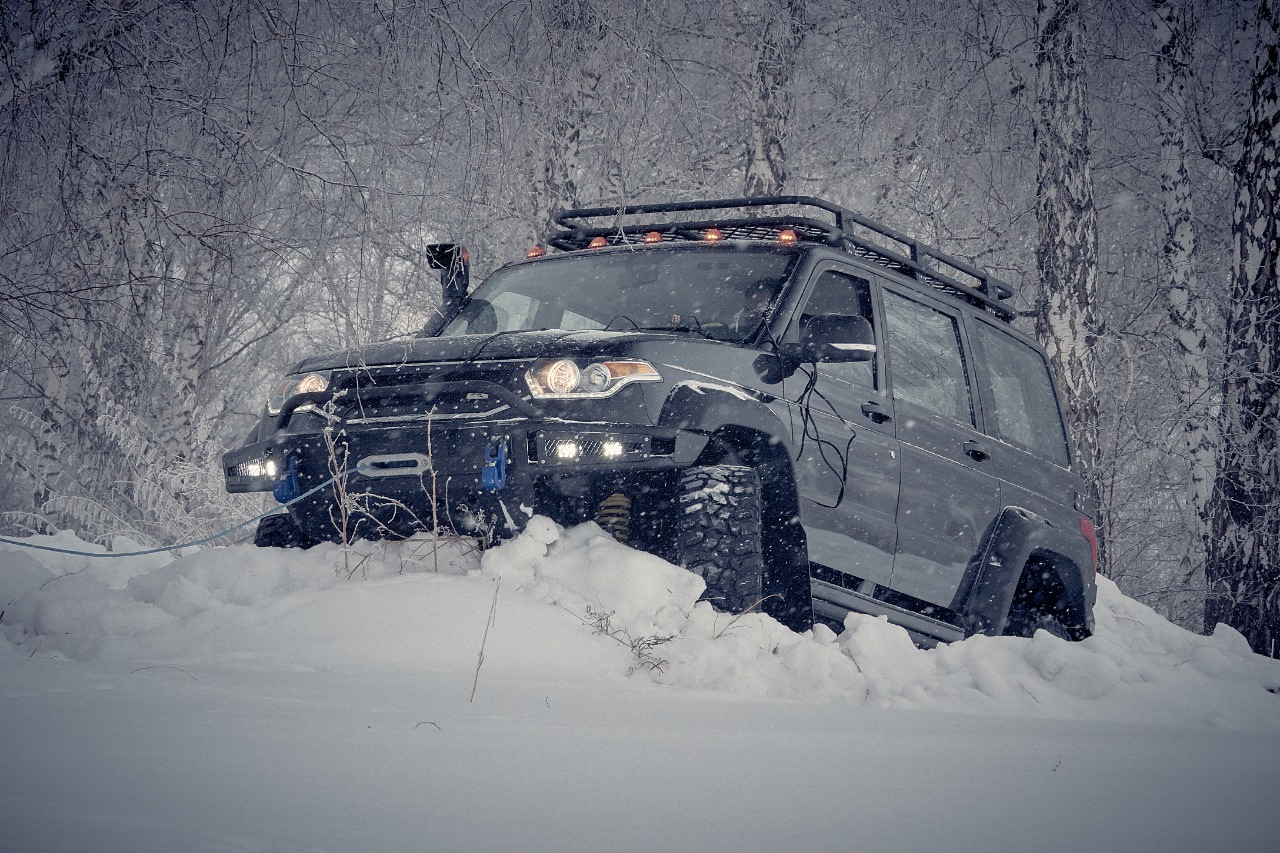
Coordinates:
<point>196,193</point>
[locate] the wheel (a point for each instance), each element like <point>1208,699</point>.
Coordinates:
<point>1041,603</point>
<point>719,534</point>
<point>280,531</point>
<point>1025,623</point>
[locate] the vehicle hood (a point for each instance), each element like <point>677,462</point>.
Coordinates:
<point>498,347</point>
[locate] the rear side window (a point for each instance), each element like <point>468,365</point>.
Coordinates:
<point>926,362</point>
<point>1026,411</point>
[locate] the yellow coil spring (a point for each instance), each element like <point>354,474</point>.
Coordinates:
<point>614,515</point>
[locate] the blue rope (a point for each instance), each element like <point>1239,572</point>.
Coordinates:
<point>167,548</point>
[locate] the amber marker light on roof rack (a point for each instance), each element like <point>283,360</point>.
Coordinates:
<point>653,237</point>
<point>712,235</point>
<point>535,252</point>
<point>597,243</point>
<point>787,237</point>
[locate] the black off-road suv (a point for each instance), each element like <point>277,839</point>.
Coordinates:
<point>815,413</point>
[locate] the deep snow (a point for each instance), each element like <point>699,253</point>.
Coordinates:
<point>244,699</point>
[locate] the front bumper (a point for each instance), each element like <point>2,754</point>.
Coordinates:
<point>416,466</point>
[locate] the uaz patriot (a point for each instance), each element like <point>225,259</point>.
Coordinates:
<point>815,413</point>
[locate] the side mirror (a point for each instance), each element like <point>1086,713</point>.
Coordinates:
<point>837,338</point>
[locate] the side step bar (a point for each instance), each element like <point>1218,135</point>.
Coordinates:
<point>833,602</point>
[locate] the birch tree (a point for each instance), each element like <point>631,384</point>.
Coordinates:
<point>571,75</point>
<point>1243,570</point>
<point>780,32</point>
<point>570,89</point>
<point>1067,248</point>
<point>1171,33</point>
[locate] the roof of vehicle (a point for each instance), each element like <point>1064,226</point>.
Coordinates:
<point>789,220</point>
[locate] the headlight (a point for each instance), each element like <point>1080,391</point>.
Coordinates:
<point>292,386</point>
<point>564,379</point>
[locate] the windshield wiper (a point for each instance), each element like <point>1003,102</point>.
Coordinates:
<point>695,327</point>
<point>493,336</point>
<point>608,327</point>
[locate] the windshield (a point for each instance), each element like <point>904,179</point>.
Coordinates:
<point>725,293</point>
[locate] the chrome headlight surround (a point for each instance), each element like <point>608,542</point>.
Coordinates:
<point>567,379</point>
<point>292,386</point>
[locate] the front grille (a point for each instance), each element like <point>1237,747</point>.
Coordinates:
<point>423,394</point>
<point>425,408</point>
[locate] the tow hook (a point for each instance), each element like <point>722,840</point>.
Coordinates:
<point>494,473</point>
<point>287,488</point>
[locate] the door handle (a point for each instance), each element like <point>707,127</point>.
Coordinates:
<point>876,412</point>
<point>975,451</point>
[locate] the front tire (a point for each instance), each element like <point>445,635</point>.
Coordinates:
<point>719,534</point>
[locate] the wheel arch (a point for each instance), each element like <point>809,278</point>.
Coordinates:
<point>1051,572</point>
<point>709,408</point>
<point>1016,544</point>
<point>739,430</point>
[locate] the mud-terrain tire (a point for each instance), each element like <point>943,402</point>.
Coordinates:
<point>1041,604</point>
<point>1025,623</point>
<point>280,531</point>
<point>719,534</point>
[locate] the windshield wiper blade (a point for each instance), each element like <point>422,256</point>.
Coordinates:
<point>608,327</point>
<point>684,328</point>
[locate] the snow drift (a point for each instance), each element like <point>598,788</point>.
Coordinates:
<point>577,604</point>
<point>562,692</point>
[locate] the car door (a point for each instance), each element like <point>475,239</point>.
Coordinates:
<point>1031,455</point>
<point>948,496</point>
<point>848,467</point>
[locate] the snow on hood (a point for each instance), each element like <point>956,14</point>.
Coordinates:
<point>574,605</point>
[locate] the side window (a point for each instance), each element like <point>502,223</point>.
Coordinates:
<point>836,293</point>
<point>926,362</point>
<point>1026,412</point>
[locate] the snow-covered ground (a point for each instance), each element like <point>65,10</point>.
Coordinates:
<point>564,693</point>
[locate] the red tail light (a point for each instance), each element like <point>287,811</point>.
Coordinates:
<point>1088,531</point>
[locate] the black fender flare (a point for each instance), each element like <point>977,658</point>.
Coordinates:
<point>1015,537</point>
<point>709,410</point>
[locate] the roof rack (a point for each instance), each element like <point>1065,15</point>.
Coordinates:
<point>846,230</point>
